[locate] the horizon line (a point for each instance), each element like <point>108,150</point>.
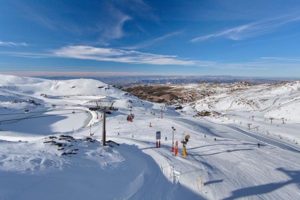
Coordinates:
<point>128,74</point>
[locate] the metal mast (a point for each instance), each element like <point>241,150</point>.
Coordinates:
<point>104,107</point>
<point>104,129</point>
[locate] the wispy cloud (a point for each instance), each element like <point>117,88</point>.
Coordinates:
<point>251,29</point>
<point>12,44</point>
<point>25,54</point>
<point>262,64</point>
<point>119,55</point>
<point>281,59</point>
<point>103,54</point>
<point>74,73</point>
<point>138,8</point>
<point>154,41</point>
<point>112,27</point>
<point>104,22</point>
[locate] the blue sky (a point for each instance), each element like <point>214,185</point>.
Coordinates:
<point>140,37</point>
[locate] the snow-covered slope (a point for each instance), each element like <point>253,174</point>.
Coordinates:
<point>54,87</point>
<point>51,148</point>
<point>273,100</point>
<point>269,109</point>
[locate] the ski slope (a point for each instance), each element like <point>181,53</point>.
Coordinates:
<point>50,146</point>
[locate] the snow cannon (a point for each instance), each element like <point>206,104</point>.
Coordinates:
<point>184,143</point>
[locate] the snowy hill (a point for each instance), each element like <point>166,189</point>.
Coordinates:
<point>53,87</point>
<point>270,109</point>
<point>50,142</point>
<point>269,99</point>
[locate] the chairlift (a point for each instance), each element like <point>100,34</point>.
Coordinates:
<point>130,117</point>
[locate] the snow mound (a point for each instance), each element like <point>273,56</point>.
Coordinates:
<point>55,153</point>
<point>24,157</point>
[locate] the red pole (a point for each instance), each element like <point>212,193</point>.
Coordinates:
<point>176,148</point>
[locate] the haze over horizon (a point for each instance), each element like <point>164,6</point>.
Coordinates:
<point>140,37</point>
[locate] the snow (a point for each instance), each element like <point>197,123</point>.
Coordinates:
<point>257,105</point>
<point>287,111</point>
<point>54,150</point>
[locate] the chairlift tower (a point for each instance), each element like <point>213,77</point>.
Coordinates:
<point>104,128</point>
<point>103,105</point>
<point>162,108</point>
<point>173,142</point>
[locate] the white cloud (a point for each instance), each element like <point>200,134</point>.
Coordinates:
<point>119,55</point>
<point>281,59</point>
<point>112,26</point>
<point>26,54</point>
<point>74,73</point>
<point>105,22</point>
<point>250,29</point>
<point>154,41</point>
<point>12,44</point>
<point>137,57</point>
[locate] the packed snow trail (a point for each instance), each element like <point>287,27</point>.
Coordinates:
<point>209,128</point>
<point>271,141</point>
<point>216,167</point>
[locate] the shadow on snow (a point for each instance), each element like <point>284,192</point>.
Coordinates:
<point>294,178</point>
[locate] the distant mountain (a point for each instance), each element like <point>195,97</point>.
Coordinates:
<point>132,80</point>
